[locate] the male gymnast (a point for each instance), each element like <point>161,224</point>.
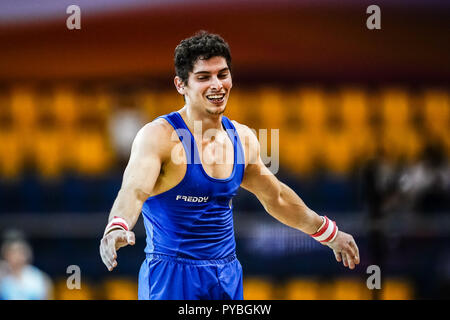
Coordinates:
<point>184,169</point>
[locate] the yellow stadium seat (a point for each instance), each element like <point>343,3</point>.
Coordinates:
<point>168,101</point>
<point>312,108</point>
<point>291,113</point>
<point>120,289</point>
<point>302,289</point>
<point>12,153</point>
<point>363,143</point>
<point>236,108</point>
<point>349,289</point>
<point>337,152</point>
<point>437,112</point>
<point>258,288</point>
<point>49,152</point>
<point>402,143</point>
<point>397,289</point>
<point>353,108</point>
<point>95,103</point>
<point>271,107</point>
<point>299,151</point>
<point>62,292</point>
<point>250,103</point>
<point>395,108</point>
<point>147,102</point>
<point>91,154</point>
<point>64,105</point>
<point>23,107</point>
<point>24,112</point>
<point>104,103</point>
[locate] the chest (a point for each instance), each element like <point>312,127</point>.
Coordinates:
<point>216,155</point>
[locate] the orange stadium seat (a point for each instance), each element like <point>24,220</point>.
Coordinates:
<point>395,108</point>
<point>91,153</point>
<point>250,104</point>
<point>104,103</point>
<point>93,103</point>
<point>337,152</point>
<point>346,288</point>
<point>271,107</point>
<point>353,112</point>
<point>302,289</point>
<point>402,143</point>
<point>23,106</point>
<point>120,289</point>
<point>49,152</point>
<point>437,112</point>
<point>64,105</point>
<point>86,292</point>
<point>168,101</point>
<point>292,119</point>
<point>302,131</point>
<point>258,288</point>
<point>299,151</point>
<point>353,108</point>
<point>147,103</point>
<point>312,108</point>
<point>24,112</point>
<point>362,143</point>
<point>397,289</point>
<point>236,108</point>
<point>12,153</point>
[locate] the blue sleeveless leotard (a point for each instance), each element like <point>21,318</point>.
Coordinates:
<point>191,249</point>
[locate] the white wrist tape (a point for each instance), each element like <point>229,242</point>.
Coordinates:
<point>116,223</point>
<point>327,231</point>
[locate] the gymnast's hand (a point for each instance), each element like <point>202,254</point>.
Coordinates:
<point>111,243</point>
<point>345,249</point>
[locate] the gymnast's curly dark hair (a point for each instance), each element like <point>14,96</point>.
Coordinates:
<point>203,45</point>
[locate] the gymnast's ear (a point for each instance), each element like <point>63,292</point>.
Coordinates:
<point>179,84</point>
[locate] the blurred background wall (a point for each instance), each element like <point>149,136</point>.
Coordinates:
<point>363,118</point>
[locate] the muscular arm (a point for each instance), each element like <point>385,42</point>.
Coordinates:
<point>285,205</point>
<point>141,173</point>
<point>278,199</point>
<point>139,177</point>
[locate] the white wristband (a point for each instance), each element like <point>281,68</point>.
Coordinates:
<point>116,223</point>
<point>327,231</point>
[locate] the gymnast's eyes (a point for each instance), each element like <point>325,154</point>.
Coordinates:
<point>220,76</point>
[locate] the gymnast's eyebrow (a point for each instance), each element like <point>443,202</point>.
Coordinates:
<point>221,70</point>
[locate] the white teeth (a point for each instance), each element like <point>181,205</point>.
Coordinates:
<point>216,96</point>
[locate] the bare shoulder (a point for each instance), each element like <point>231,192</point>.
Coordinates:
<point>158,127</point>
<point>154,137</point>
<point>249,141</point>
<point>245,133</point>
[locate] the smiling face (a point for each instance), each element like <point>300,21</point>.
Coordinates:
<point>208,86</point>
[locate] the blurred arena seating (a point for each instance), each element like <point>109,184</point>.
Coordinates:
<point>67,135</point>
<point>56,130</point>
<point>255,288</point>
<point>59,153</point>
